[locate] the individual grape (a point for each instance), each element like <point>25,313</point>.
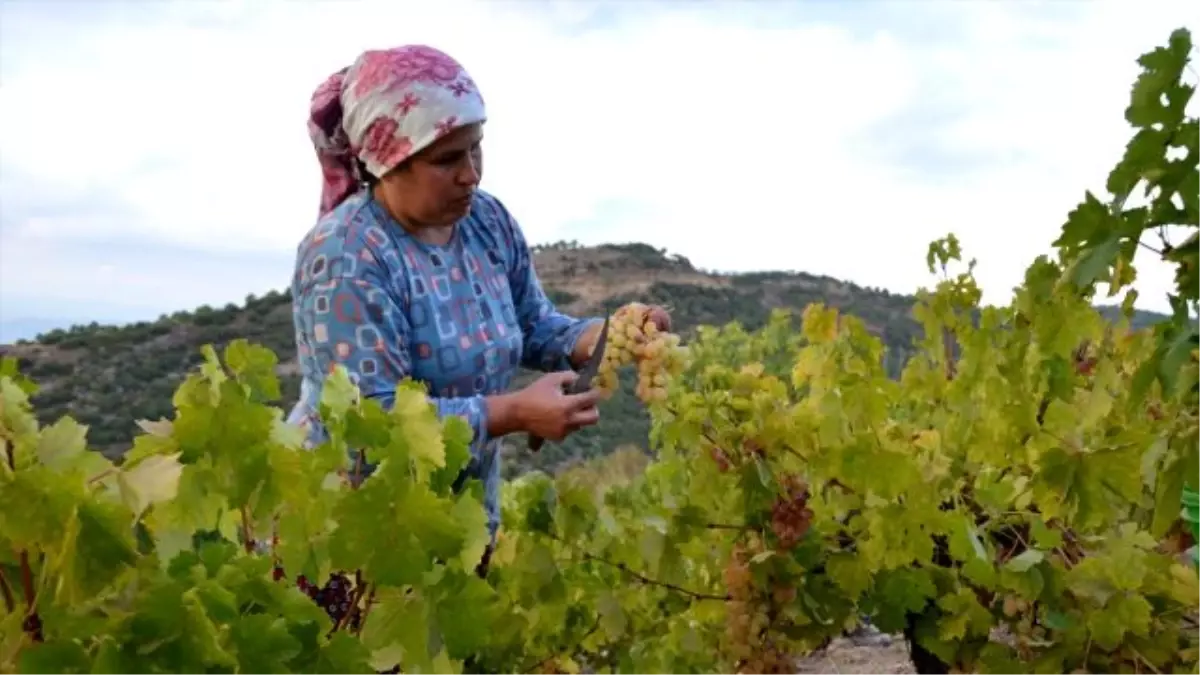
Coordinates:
<point>737,577</point>
<point>783,595</point>
<point>1011,606</point>
<point>771,659</point>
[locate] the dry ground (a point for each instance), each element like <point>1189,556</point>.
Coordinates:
<point>844,656</point>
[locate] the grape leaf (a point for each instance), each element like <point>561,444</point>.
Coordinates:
<point>55,656</point>
<point>153,480</point>
<point>61,443</point>
<point>343,653</point>
<point>399,628</point>
<point>1124,613</point>
<point>263,644</point>
<point>100,547</point>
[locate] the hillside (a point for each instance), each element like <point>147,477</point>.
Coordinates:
<point>109,376</point>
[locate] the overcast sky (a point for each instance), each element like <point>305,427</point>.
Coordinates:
<point>154,156</point>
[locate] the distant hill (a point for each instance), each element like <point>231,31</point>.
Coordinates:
<point>12,330</point>
<point>109,376</point>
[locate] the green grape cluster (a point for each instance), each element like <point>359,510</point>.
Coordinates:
<point>634,338</point>
<point>749,642</point>
<point>745,619</point>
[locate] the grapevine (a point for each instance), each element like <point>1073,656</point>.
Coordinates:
<point>1010,502</point>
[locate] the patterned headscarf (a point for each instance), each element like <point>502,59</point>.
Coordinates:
<point>383,109</point>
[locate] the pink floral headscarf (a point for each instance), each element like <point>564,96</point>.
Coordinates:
<point>383,109</point>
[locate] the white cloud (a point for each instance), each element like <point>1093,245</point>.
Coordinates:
<point>739,135</point>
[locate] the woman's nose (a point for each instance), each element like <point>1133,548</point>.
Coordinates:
<point>470,174</point>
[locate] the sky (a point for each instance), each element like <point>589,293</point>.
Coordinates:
<point>154,154</point>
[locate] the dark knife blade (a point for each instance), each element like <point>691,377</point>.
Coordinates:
<point>584,381</point>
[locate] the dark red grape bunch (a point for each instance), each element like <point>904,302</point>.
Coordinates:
<point>335,596</point>
<point>790,515</point>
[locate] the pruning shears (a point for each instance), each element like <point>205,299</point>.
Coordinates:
<point>584,381</point>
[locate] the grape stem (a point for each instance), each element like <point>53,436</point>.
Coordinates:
<point>641,577</point>
<point>6,590</point>
<point>1144,660</point>
<point>726,526</point>
<point>30,597</point>
<point>362,622</point>
<point>247,533</point>
<point>358,466</point>
<point>275,542</point>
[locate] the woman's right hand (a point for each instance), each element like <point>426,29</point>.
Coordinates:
<point>545,410</point>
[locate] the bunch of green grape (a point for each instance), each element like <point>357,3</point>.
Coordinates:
<point>634,338</point>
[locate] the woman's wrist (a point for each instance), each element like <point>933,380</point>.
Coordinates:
<point>505,414</point>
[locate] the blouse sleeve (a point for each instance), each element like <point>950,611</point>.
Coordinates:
<point>353,321</point>
<point>549,335</point>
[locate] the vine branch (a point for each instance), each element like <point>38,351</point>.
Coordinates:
<point>641,577</point>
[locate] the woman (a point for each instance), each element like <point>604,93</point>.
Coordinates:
<point>412,271</point>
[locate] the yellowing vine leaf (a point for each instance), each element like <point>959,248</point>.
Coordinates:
<point>154,479</point>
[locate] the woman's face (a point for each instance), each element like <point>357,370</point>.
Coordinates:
<point>434,188</point>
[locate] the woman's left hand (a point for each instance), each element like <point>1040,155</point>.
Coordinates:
<point>661,317</point>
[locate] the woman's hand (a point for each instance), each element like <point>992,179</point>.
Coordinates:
<point>543,409</point>
<point>661,318</point>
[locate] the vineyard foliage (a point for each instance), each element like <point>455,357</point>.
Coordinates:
<point>1008,502</point>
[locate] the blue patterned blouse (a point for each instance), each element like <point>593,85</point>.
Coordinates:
<point>460,317</point>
